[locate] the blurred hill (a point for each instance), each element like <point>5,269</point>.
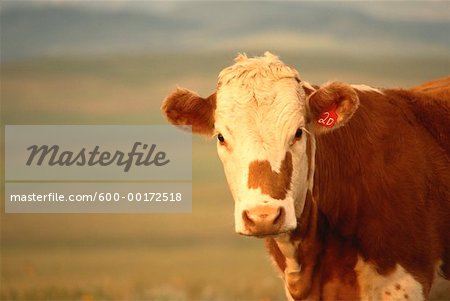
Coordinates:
<point>31,29</point>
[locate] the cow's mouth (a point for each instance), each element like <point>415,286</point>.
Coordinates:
<point>266,235</point>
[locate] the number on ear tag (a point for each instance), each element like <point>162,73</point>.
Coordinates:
<point>328,118</point>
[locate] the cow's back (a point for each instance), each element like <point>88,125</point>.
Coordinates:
<point>431,104</point>
<point>439,88</point>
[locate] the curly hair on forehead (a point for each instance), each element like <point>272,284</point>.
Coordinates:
<point>250,71</point>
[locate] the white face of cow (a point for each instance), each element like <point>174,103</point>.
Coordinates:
<point>260,124</point>
<point>259,114</point>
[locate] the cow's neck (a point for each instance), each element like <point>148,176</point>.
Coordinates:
<point>341,173</point>
<point>296,253</point>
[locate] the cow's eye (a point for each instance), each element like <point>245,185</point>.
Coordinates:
<point>297,136</point>
<point>220,138</point>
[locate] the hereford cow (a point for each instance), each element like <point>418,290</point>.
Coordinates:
<point>348,184</point>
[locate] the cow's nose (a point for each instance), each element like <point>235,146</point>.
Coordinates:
<point>263,220</point>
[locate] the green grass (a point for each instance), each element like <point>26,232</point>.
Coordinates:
<point>153,256</point>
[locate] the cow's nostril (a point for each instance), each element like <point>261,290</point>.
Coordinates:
<point>247,220</point>
<point>279,216</point>
<point>263,220</point>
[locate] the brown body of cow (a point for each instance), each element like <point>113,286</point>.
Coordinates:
<point>375,222</point>
<point>375,198</point>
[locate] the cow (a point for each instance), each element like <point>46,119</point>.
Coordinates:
<point>348,184</point>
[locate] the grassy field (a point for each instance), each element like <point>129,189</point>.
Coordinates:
<point>193,256</point>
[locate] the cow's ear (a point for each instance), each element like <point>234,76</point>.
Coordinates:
<point>331,106</point>
<point>184,107</point>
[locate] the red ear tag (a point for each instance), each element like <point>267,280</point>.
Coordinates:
<point>328,118</point>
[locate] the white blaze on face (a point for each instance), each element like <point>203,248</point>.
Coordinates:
<point>260,106</point>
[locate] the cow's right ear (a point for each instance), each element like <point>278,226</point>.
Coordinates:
<point>184,107</point>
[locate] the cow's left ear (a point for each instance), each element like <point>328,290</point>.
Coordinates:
<point>331,106</point>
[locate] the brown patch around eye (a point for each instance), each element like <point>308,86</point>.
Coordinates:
<point>274,184</point>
